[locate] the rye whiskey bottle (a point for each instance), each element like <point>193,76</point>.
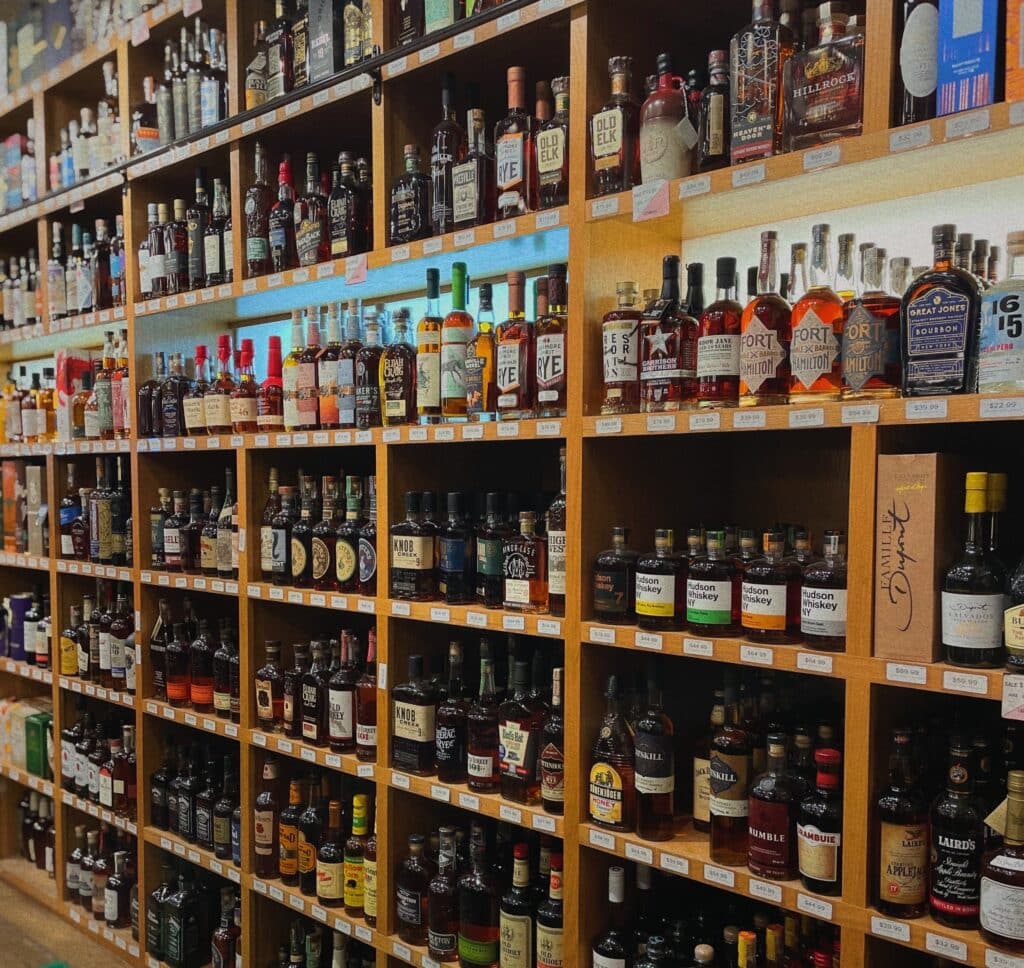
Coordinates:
<point>516,356</point>
<point>819,828</point>
<point>729,781</point>
<point>620,337</point>
<point>482,755</point>
<point>450,741</point>
<point>516,174</point>
<point>654,752</point>
<point>552,347</point>
<point>612,782</point>
<point>414,708</point>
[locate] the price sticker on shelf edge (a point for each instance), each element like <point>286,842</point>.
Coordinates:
<point>677,865</point>
<point>956,681</point>
<point>915,675</point>
<point>469,801</point>
<point>513,623</point>
<point>511,814</point>
<point>890,928</point>
<point>650,201</point>
<point>719,875</point>
<point>814,662</point>
<point>642,854</point>
<point>939,944</point>
<point>440,792</point>
<point>648,640</point>
<point>757,655</point>
<point>603,635</point>
<point>764,890</point>
<point>1001,408</point>
<point>541,821</point>
<point>814,906</point>
<point>600,839</point>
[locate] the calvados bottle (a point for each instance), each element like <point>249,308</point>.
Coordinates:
<point>817,326</point>
<point>668,340</point>
<point>620,343</point>
<point>614,134</point>
<point>718,342</point>
<point>1001,346</point>
<point>1002,885</point>
<point>612,783</point>
<point>667,135</point>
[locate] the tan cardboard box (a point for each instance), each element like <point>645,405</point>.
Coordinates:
<point>917,529</point>
<point>35,483</point>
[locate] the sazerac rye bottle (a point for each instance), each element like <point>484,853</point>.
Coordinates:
<point>612,783</point>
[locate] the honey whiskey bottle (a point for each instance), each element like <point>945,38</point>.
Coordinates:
<point>612,783</point>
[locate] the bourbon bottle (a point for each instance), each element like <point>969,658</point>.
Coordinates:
<point>668,361</point>
<point>620,336</point>
<point>817,327</point>
<point>729,771</point>
<point>615,134</point>
<point>612,781</point>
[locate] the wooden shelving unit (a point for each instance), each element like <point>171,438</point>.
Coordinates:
<point>635,466</point>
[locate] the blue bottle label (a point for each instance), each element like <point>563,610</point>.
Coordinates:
<point>937,325</point>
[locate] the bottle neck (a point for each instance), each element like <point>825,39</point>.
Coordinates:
<point>767,270</point>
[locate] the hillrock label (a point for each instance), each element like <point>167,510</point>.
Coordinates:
<point>814,349</point>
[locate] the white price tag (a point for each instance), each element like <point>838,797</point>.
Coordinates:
<point>440,615</point>
<point>607,425</point>
<point>719,875</point>
<point>603,635</point>
<point>507,21</point>
<point>814,906</point>
<point>926,409</point>
<point>468,801</point>
<point>705,421</point>
<point>547,626</point>
<point>541,821</point>
<point>549,428</point>
<point>648,640</point>
<point>939,944</point>
<point>400,608</point>
<point>440,792</point>
<point>473,431</point>
<point>677,865</point>
<point>476,619</point>
<point>432,246</point>
<point>365,770</point>
<point>749,175</point>
<point>464,237</point>
<point>513,623</point>
<point>400,780</point>
<point>546,220</point>
<point>764,890</point>
<point>1001,408</point>
<point>659,423</point>
<point>693,187</point>
<point>642,854</point>
<point>956,681</point>
<point>823,157</point>
<point>757,655</point>
<point>902,672</point>
<point>603,207</point>
<point>466,39</point>
<point>971,122</point>
<point>860,413</point>
<point>890,928</point>
<point>598,838</point>
<point>814,662</point>
<point>749,420</point>
<point>907,138</point>
<point>814,417</point>
<point>511,814</point>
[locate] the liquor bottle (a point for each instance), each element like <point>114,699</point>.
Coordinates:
<point>729,769</point>
<point>398,377</point>
<point>516,174</point>
<point>660,598</point>
<point>281,221</point>
<point>552,331</point>
<point>916,76</point>
<point>903,835</point>
<point>614,946</point>
<point>520,725</point>
<point>552,751</point>
<point>456,332</point>
<point>614,581</point>
<point>482,753</point>
<point>950,298</point>
<point>368,543</point>
<point>612,782</point>
<point>265,822</point>
<point>668,356</point>
<point>288,835</point>
<point>614,134</point>
<point>819,828</point>
<point>549,920</point>
<point>175,231</point>
<point>771,850</point>
<point>1001,349</point>
<point>473,194</point>
<point>456,557</point>
<point>442,903</point>
<point>770,594</point>
<point>817,327</point>
<point>412,885</point>
<point>414,706</point>
<point>516,923</point>
<point>412,555</point>
<point>312,234</point>
<point>552,150</point>
<point>197,220</point>
<point>973,599</point>
<point>714,115</point>
<point>447,149</point>
<point>299,373</point>
<point>654,751</point>
<point>480,362</point>
<point>516,363</point>
<point>269,689</point>
<point>410,202</point>
<point>757,56</point>
<point>718,343</point>
<point>330,861</point>
<point>479,905</point>
<point>291,687</point>
<point>258,201</point>
<point>1000,874</point>
<point>450,741</point>
<point>428,354</point>
<point>823,596</point>
<point>366,704</point>
<point>217,239</point>
<point>667,136</point>
<point>368,405</point>
<point>280,45</point>
<point>713,593</point>
<point>524,565</point>
<point>243,407</point>
<point>217,398</point>
<point>870,353</point>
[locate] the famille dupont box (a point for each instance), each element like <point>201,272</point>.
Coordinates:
<point>917,514</point>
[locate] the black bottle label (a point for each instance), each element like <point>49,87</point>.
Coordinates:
<point>655,764</point>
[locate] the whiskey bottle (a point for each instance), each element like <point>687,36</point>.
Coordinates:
<point>291,688</point>
<point>614,946</point>
<point>819,828</point>
<point>516,921</point>
<point>817,326</point>
<point>315,711</point>
<point>614,581</point>
<point>516,174</point>
<point>702,765</point>
<point>412,885</point>
<point>973,599</point>
<point>654,752</point>
<point>473,194</point>
<point>368,405</point>
<point>554,528</point>
<point>447,149</point>
<point>917,74</point>
<point>668,360</point>
<point>265,816</point>
<point>410,202</point>
<point>341,701</point>
<point>443,902</point>
<point>1001,349</point>
<point>1000,901</point>
<point>714,115</point>
<point>479,899</point>
<point>549,920</point>
<point>450,736</point>
<point>765,335</point>
<point>368,542</point>
<point>729,767</point>
<point>552,150</point>
<point>482,751</point>
<point>516,364</point>
<point>366,704</point>
<point>620,336</point>
<point>771,850</point>
<point>615,134</point>
<point>771,594</point>
<point>524,565</point>
<point>661,585</point>
<point>456,332</point>
<point>520,728</point>
<point>330,861</point>
<point>428,354</point>
<point>258,201</point>
<point>412,555</point>
<point>870,352</point>
<point>713,590</point>
<point>957,844</point>
<point>903,835</point>
<point>414,708</point>
<point>346,547</point>
<point>480,360</point>
<point>552,331</point>
<point>456,556</point>
<point>718,342</point>
<point>612,779</point>
<point>947,299</point>
<point>823,596</point>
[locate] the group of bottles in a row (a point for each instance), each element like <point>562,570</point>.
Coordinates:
<point>194,794</point>
<point>22,303</point>
<point>301,836</point>
<point>35,830</point>
<point>770,806</point>
<point>508,742</point>
<point>982,597</point>
<point>312,945</point>
<point>474,180</point>
<point>192,93</point>
<point>299,47</point>
<point>417,19</point>
<point>328,696</point>
<point>196,531</point>
<point>90,144</point>
<point>97,761</point>
<point>481,558</point>
<point>726,583</point>
<point>767,94</point>
<point>944,847</point>
<point>647,928</point>
<point>101,876</point>
<point>455,900</point>
<point>96,523</point>
<point>187,247</point>
<point>98,643</point>
<point>330,219</point>
<point>26,628</point>
<point>195,662</point>
<point>313,536</point>
<point>90,274</point>
<point>18,184</point>
<point>193,918</point>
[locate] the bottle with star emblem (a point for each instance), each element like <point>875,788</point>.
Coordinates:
<point>668,347</point>
<point>817,329</point>
<point>765,335</point>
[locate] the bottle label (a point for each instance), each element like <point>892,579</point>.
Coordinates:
<point>718,356</point>
<point>264,832</point>
<point>105,651</point>
<point>1002,909</point>
<point>475,402</point>
<point>195,413</point>
<point>763,606</point>
<point>369,888</point>
<point>321,558</point>
<point>919,46</point>
<point>619,345</point>
<point>488,557</point>
<point>367,560</point>
<point>549,946</point>
<point>481,767</point>
<point>937,322</point>
<point>552,774</point>
<point>865,347</point>
<point>701,789</point>
<point>264,701</point>
<point>409,906</point>
<point>517,591</point>
<point>309,233</point>
<point>665,146</point>
<point>1001,350</point>
<point>655,595</point>
<point>556,562</point>
<point>416,723</point>
<point>1013,628</point>
<point>474,952</point>
<point>602,961</point>
<point>972,621</point>
<point>770,844</point>
<point>340,718</point>
<point>517,750</point>
<point>212,255</point>
<point>453,363</point>
<point>903,866</point>
<point>516,934</point>
<point>109,905</point>
<point>242,410</point>
<point>606,794</point>
<point>508,378</point>
<point>329,881</point>
<point>708,602</point>
<point>353,888</point>
<point>428,377</point>
<point>266,549</point>
<point>509,167</point>
<point>606,138</point>
<point>412,552</point>
<point>68,656</point>
<point>452,555</point>
<point>611,593</point>
<point>464,191</point>
<point>818,853</point>
<point>550,366</point>
<point>814,349</point>
<point>761,355</point>
<point>106,785</point>
<point>550,155</point>
<point>823,611</point>
<point>299,558</point>
<point>729,781</point>
<point>955,870</point>
<point>655,764</point>
<point>208,552</point>
<point>346,560</point>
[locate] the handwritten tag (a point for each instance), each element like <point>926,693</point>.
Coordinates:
<point>650,200</point>
<point>926,409</point>
<point>1013,697</point>
<point>901,672</point>
<point>750,175</point>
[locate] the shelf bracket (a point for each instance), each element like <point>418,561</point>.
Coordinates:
<point>378,79</point>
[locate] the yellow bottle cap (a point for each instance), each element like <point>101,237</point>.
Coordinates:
<point>996,492</point>
<point>975,497</point>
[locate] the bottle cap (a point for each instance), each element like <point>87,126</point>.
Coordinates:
<point>725,271</point>
<point>943,233</point>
